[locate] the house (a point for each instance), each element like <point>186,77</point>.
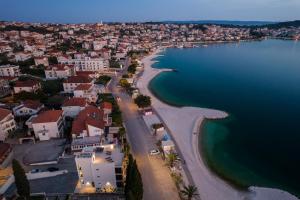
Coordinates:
<point>27,86</point>
<point>27,108</point>
<point>73,81</point>
<point>48,124</point>
<point>9,70</point>
<point>87,91</point>
<point>167,146</point>
<point>90,122</point>
<point>106,107</point>
<point>4,88</point>
<point>7,123</point>
<point>86,64</point>
<point>147,111</point>
<point>22,56</point>
<point>73,106</point>
<point>59,71</point>
<point>101,169</point>
<point>42,60</point>
<point>6,154</point>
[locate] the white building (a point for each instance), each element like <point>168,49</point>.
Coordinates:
<point>27,86</point>
<point>100,168</point>
<point>86,63</point>
<point>73,81</point>
<point>41,61</point>
<point>22,56</point>
<point>59,71</point>
<point>87,91</point>
<point>90,122</point>
<point>7,123</point>
<point>49,124</point>
<point>27,108</point>
<point>73,106</point>
<point>9,70</point>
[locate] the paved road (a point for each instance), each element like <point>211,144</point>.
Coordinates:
<point>158,184</point>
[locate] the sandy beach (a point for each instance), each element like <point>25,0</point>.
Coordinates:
<point>183,122</point>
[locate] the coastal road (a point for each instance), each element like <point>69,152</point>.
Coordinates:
<point>157,182</point>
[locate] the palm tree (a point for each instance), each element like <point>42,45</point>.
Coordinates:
<point>189,191</point>
<point>171,158</point>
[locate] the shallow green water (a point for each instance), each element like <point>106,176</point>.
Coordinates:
<point>258,83</point>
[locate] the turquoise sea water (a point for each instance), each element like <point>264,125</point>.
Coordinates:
<point>258,83</point>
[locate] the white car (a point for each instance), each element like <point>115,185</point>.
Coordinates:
<point>154,152</point>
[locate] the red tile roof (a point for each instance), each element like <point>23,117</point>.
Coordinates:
<point>76,101</point>
<point>59,67</point>
<point>28,83</point>
<point>92,116</point>
<point>48,116</point>
<point>4,148</point>
<point>32,104</point>
<point>83,87</point>
<point>78,79</point>
<point>106,105</point>
<point>4,113</point>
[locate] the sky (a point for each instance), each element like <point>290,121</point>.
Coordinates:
<point>89,11</point>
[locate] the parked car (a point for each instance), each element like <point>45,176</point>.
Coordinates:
<point>52,169</point>
<point>33,171</point>
<point>154,152</point>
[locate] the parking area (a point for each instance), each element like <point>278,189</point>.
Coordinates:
<point>44,151</point>
<point>64,183</point>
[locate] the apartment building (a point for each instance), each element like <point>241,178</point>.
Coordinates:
<point>7,123</point>
<point>73,81</point>
<point>101,168</point>
<point>94,64</point>
<point>90,122</point>
<point>27,86</point>
<point>9,70</point>
<point>4,88</point>
<point>87,91</point>
<point>27,108</point>
<point>59,71</point>
<point>48,124</point>
<point>73,106</point>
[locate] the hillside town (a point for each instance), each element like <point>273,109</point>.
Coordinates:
<point>61,113</point>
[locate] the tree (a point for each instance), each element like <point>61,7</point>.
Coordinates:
<point>52,60</point>
<point>134,185</point>
<point>171,158</point>
<point>132,68</point>
<point>156,126</point>
<point>142,101</point>
<point>52,87</point>
<point>124,83</point>
<point>189,191</point>
<point>103,80</point>
<point>21,180</point>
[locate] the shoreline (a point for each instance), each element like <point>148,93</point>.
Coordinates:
<point>209,184</point>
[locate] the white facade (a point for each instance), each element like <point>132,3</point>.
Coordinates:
<point>22,56</point>
<point>41,61</point>
<point>90,94</point>
<point>55,73</point>
<point>33,88</point>
<point>48,130</point>
<point>21,110</point>
<point>9,70</point>
<point>72,111</point>
<point>100,168</point>
<point>86,64</point>
<point>7,125</point>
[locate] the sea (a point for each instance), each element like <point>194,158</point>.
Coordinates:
<point>258,84</point>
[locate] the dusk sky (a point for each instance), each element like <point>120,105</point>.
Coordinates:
<point>77,11</point>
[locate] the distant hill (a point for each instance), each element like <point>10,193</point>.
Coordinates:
<point>295,23</point>
<point>223,22</point>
